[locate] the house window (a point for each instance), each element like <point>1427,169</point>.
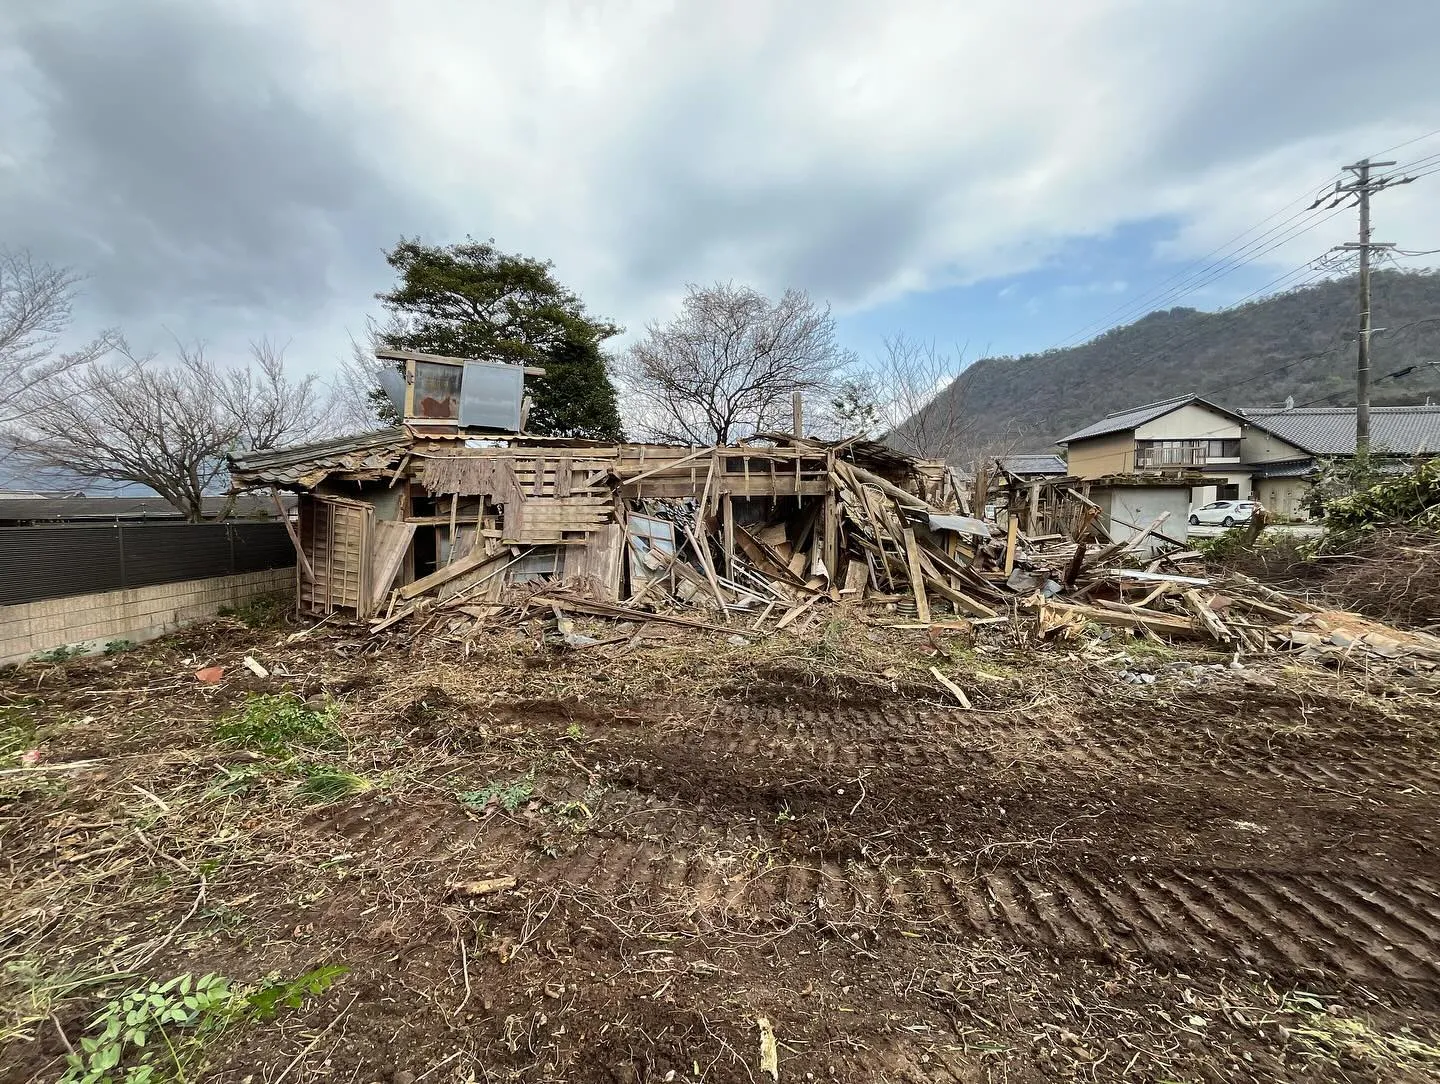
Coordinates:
<point>1229,491</point>
<point>1225,449</point>
<point>437,390</point>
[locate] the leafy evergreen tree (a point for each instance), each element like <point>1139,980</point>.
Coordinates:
<point>471,300</point>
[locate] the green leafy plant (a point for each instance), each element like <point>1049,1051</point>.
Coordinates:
<point>508,796</point>
<point>272,723</point>
<point>262,611</point>
<point>59,654</point>
<point>17,729</point>
<point>122,1032</point>
<point>158,1031</point>
<point>114,647</point>
<point>265,1002</point>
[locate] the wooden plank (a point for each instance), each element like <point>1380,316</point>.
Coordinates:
<point>454,508</point>
<point>955,690</point>
<point>665,466</point>
<point>606,609</point>
<point>304,562</point>
<point>1207,616</point>
<point>468,563</point>
<point>1167,626</point>
<point>392,540</point>
<point>917,575</point>
<point>1011,534</point>
<point>795,611</point>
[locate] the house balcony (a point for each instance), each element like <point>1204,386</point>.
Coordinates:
<point>1185,454</point>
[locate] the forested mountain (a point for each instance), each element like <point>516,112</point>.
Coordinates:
<point>1300,344</point>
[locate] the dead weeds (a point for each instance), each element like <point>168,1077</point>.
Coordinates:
<point>1223,874</point>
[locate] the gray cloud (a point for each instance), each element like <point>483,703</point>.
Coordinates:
<point>181,175</point>
<point>234,174</point>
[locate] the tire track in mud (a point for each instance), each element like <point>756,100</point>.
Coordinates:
<point>1357,925</point>
<point>903,736</point>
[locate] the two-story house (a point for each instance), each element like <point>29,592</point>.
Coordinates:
<point>1185,434</point>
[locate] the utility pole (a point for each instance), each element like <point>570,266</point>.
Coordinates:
<point>1362,187</point>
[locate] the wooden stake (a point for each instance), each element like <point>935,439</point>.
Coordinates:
<point>305,567</point>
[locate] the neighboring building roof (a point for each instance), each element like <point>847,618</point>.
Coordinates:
<point>1403,430</point>
<point>1120,421</point>
<point>1285,468</point>
<point>72,509</point>
<point>1034,463</point>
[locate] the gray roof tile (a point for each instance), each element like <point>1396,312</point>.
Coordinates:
<point>1132,417</point>
<point>1404,430</point>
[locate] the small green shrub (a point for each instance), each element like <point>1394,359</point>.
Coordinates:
<point>508,796</point>
<point>114,647</point>
<point>59,654</point>
<point>265,1002</point>
<point>331,784</point>
<point>262,611</point>
<point>159,1031</point>
<point>272,723</point>
<point>17,729</point>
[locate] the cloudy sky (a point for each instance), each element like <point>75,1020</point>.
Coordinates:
<point>1009,175</point>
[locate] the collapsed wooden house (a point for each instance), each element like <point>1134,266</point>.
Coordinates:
<point>458,501</point>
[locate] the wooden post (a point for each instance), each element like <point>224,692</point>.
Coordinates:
<point>797,409</point>
<point>1010,536</point>
<point>982,488</point>
<point>454,507</point>
<point>917,576</point>
<point>1032,524</point>
<point>727,516</point>
<point>832,521</point>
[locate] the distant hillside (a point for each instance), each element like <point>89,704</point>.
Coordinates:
<point>1026,403</point>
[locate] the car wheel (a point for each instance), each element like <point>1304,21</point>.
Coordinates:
<point>1229,521</point>
<point>1194,521</point>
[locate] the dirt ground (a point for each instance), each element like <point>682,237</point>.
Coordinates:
<point>1223,873</point>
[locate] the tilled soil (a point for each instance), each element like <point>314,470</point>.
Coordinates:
<point>1226,875</point>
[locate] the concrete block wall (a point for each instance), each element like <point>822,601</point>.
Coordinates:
<point>135,614</point>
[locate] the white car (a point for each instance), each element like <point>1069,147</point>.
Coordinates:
<point>1224,513</point>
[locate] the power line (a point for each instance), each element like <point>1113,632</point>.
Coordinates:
<point>1192,278</point>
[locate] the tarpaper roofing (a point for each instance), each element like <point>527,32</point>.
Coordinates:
<point>1132,417</point>
<point>1402,430</point>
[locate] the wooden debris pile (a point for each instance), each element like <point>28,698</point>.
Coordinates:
<point>768,564</point>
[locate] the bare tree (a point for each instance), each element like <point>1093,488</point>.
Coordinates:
<point>729,363</point>
<point>35,312</point>
<point>358,395</point>
<point>920,390</point>
<point>168,427</point>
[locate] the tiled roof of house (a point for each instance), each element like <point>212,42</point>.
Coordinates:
<point>1132,417</point>
<point>1403,430</point>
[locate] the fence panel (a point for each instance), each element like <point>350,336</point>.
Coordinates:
<point>56,561</point>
